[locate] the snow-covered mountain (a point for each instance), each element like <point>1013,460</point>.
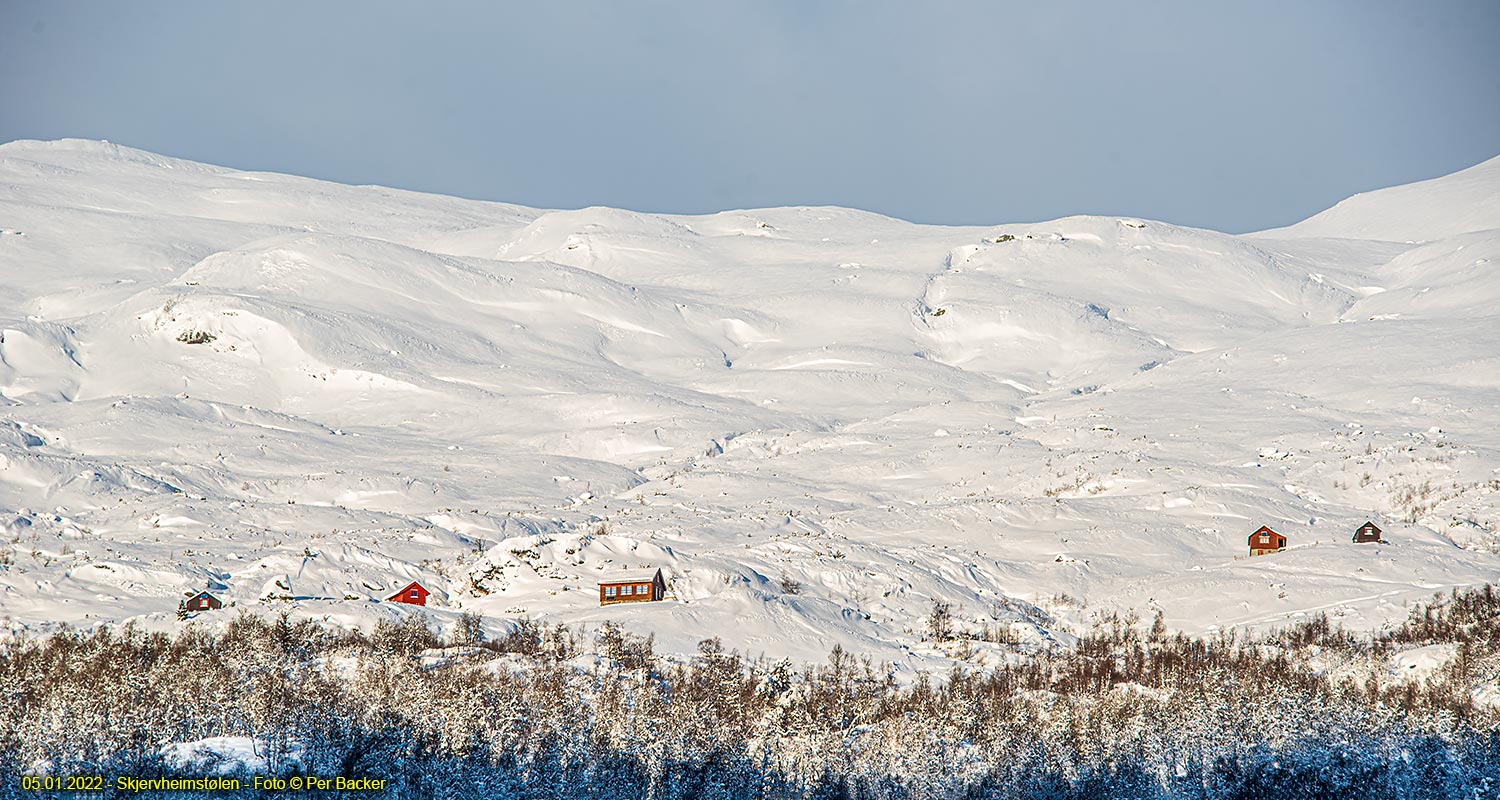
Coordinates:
<point>817,421</point>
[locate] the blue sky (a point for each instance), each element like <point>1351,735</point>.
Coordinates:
<point>1229,115</point>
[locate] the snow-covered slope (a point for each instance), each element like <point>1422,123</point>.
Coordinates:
<point>817,421</point>
<point>1464,202</point>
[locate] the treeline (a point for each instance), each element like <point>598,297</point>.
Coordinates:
<point>547,712</point>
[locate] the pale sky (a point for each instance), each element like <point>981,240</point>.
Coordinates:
<point>1229,115</point>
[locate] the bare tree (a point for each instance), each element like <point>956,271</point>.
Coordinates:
<point>940,621</point>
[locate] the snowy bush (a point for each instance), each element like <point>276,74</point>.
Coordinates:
<point>195,337</point>
<point>1125,713</point>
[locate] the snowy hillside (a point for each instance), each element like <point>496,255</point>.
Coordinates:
<point>1464,202</point>
<point>817,421</point>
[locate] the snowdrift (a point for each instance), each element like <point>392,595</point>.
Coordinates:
<point>819,422</point>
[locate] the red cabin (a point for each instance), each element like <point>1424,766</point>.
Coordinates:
<point>414,593</point>
<point>203,601</point>
<point>1265,541</point>
<point>1368,532</point>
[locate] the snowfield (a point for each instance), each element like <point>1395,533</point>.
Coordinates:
<point>816,421</point>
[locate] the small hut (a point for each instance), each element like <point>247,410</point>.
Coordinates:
<point>413,593</point>
<point>1368,532</point>
<point>203,601</point>
<point>1265,540</point>
<point>632,586</point>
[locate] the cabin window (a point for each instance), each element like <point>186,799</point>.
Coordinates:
<point>1264,538</point>
<point>628,590</point>
<point>609,591</point>
<point>413,594</point>
<point>203,603</point>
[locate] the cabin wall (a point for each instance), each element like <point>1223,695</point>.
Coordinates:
<point>654,591</point>
<point>1276,545</point>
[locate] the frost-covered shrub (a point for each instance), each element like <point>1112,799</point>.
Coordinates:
<point>1125,713</point>
<point>195,337</point>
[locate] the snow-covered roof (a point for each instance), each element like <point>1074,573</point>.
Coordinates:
<point>628,576</point>
<point>416,584</point>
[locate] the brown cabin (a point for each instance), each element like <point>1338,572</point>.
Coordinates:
<point>413,593</point>
<point>203,601</point>
<point>632,586</point>
<point>1368,532</point>
<point>1265,541</point>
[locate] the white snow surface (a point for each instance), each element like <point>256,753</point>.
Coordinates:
<point>1421,663</point>
<point>229,755</point>
<point>816,421</point>
<point>1467,201</point>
